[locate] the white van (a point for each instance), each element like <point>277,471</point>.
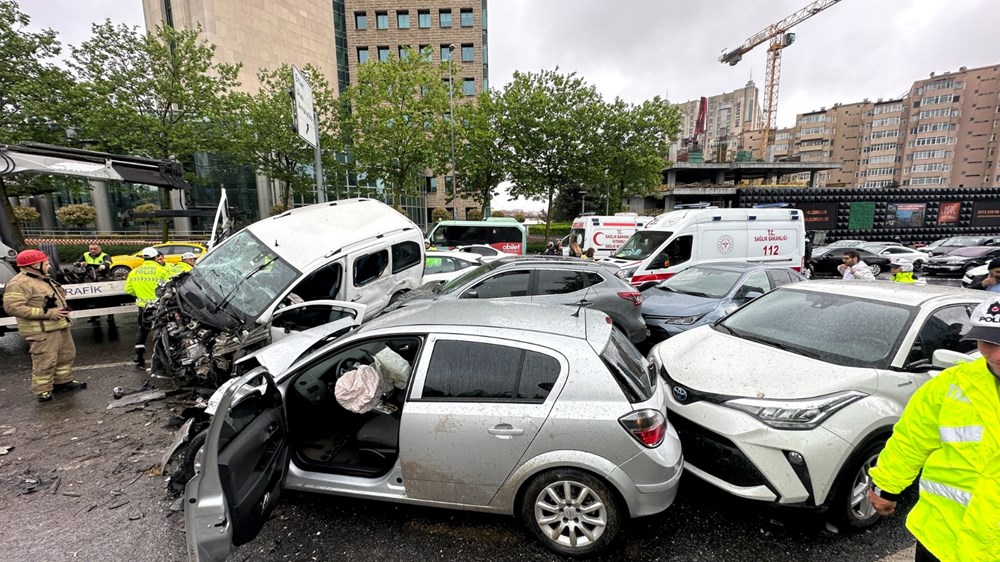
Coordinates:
<point>604,234</point>
<point>677,240</point>
<point>297,270</point>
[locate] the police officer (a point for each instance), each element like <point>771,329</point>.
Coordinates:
<point>902,271</point>
<point>947,435</point>
<point>142,283</point>
<point>39,304</point>
<point>186,264</point>
<point>95,257</point>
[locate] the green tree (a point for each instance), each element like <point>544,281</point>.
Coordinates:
<point>519,216</point>
<point>440,214</point>
<point>158,94</point>
<point>482,151</point>
<point>266,138</point>
<point>396,122</point>
<point>24,214</point>
<point>32,94</point>
<point>76,215</point>
<point>632,150</point>
<point>474,215</point>
<point>498,213</point>
<point>551,130</point>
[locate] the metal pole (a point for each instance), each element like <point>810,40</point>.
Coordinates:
<point>318,166</point>
<point>451,110</point>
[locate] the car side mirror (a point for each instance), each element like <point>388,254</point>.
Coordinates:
<point>472,294</point>
<point>729,310</point>
<point>944,358</point>
<point>751,295</point>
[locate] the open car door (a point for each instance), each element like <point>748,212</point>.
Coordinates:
<point>310,314</point>
<point>243,469</point>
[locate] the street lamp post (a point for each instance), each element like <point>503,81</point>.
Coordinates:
<point>451,113</point>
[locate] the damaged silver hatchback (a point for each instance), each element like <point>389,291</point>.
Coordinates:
<point>446,405</point>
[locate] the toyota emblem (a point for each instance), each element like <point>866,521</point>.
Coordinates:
<point>680,393</point>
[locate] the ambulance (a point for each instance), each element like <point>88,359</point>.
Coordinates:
<point>677,240</point>
<point>604,233</point>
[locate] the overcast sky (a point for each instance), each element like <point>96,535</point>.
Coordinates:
<point>636,49</point>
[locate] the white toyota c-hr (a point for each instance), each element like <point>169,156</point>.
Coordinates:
<point>791,398</point>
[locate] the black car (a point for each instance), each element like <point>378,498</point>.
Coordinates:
<point>826,264</point>
<point>959,262</point>
<point>956,242</point>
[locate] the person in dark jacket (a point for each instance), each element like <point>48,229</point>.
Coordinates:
<point>989,282</point>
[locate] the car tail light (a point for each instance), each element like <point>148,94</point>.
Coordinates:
<point>634,296</point>
<point>647,426</point>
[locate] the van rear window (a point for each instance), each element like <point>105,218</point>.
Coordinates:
<point>629,368</point>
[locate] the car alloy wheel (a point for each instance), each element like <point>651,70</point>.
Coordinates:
<point>571,511</point>
<point>120,271</point>
<point>851,509</point>
<point>861,507</point>
<point>875,269</point>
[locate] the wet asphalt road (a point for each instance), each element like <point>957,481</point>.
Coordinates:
<point>81,484</point>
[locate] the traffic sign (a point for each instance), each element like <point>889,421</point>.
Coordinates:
<point>303,118</point>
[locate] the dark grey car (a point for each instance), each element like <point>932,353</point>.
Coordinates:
<point>547,280</point>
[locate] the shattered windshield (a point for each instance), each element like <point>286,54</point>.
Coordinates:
<point>243,276</point>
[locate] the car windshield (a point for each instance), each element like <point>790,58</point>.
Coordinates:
<point>243,276</point>
<point>973,252</point>
<point>464,278</point>
<point>840,329</point>
<point>629,367</point>
<point>702,282</point>
<point>642,244</point>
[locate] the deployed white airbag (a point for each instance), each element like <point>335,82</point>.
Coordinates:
<point>359,390</point>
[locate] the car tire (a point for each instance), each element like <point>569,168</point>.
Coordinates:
<point>120,271</point>
<point>190,463</point>
<point>592,513</point>
<point>876,269</point>
<point>850,509</point>
<point>918,265</point>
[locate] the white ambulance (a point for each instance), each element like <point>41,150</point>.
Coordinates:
<point>604,233</point>
<point>676,240</point>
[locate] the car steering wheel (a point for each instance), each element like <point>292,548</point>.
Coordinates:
<point>353,362</point>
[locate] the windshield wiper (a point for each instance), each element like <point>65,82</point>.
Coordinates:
<point>665,288</point>
<point>726,328</point>
<point>696,294</point>
<point>783,346</point>
<point>249,274</point>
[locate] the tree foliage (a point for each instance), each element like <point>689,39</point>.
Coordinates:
<point>396,122</point>
<point>76,215</point>
<point>24,214</point>
<point>266,138</point>
<point>482,153</point>
<point>440,214</point>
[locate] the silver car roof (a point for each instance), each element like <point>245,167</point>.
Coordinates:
<point>909,294</point>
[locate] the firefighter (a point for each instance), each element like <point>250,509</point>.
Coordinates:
<point>948,436</point>
<point>142,283</point>
<point>186,264</point>
<point>39,304</point>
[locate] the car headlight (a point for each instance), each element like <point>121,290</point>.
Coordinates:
<point>626,272</point>
<point>682,320</point>
<point>795,414</point>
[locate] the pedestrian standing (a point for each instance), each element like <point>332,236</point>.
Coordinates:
<point>854,268</point>
<point>187,262</point>
<point>39,305</point>
<point>989,282</point>
<point>902,271</point>
<point>949,435</point>
<point>574,249</point>
<point>589,254</point>
<point>142,283</point>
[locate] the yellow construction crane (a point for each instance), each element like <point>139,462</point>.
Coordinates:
<point>779,37</point>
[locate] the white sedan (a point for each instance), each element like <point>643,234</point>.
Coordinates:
<point>893,251</point>
<point>440,267</point>
<point>488,253</point>
<point>790,399</point>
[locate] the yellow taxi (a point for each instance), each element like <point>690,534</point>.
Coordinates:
<point>172,252</point>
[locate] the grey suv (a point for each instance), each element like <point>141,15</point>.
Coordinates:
<point>546,280</point>
<point>567,432</point>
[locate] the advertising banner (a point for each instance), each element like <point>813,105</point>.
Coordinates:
<point>819,216</point>
<point>986,213</point>
<point>948,213</point>
<point>905,215</point>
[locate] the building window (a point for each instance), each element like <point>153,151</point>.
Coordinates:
<point>402,19</point>
<point>468,52</point>
<point>383,54</point>
<point>403,50</point>
<point>424,19</point>
<point>445,53</point>
<point>467,19</point>
<point>426,54</point>
<point>362,55</point>
<point>360,20</point>
<point>382,20</point>
<point>432,185</point>
<point>444,17</point>
<point>469,86</point>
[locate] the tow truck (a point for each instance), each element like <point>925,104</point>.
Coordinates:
<point>94,298</point>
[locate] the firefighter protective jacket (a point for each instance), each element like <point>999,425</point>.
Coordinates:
<point>950,429</point>
<point>143,281</point>
<point>24,298</point>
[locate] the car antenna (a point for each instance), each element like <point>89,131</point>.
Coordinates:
<point>582,302</point>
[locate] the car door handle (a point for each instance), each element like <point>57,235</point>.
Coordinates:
<point>505,430</point>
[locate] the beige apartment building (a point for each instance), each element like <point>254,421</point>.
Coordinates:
<point>336,36</point>
<point>730,116</point>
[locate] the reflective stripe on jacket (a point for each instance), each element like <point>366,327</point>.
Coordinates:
<point>950,429</point>
<point>91,260</point>
<point>24,298</point>
<point>143,281</point>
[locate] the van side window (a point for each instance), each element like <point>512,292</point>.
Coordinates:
<point>324,283</point>
<point>678,251</point>
<point>405,255</point>
<point>369,268</point>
